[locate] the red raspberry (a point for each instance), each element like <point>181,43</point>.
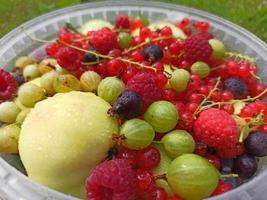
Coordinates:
<point>8,86</point>
<point>222,187</point>
<point>104,40</point>
<point>204,35</point>
<point>111,180</point>
<point>231,152</point>
<point>69,59</point>
<point>146,84</point>
<point>197,49</point>
<point>216,128</point>
<point>122,21</point>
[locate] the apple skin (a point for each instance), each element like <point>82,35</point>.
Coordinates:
<point>64,137</point>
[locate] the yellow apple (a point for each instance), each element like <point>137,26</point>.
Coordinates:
<point>64,137</point>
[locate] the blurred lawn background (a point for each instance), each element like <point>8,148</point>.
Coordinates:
<point>251,14</point>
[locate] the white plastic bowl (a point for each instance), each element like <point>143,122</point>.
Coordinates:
<point>16,186</point>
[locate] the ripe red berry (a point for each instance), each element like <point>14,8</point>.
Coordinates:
<point>159,66</point>
<point>8,86</point>
<point>137,56</point>
<point>104,40</point>
<point>232,68</point>
<point>227,96</point>
<point>146,84</point>
<point>145,33</point>
<point>69,59</point>
<point>166,31</point>
<point>148,158</point>
<point>169,95</point>
<point>230,152</point>
<point>115,67</point>
<point>201,26</point>
<point>216,128</point>
<point>175,48</point>
<point>127,154</point>
<point>122,21</point>
<point>228,108</point>
<point>136,23</point>
<point>196,98</point>
<point>162,79</point>
<point>216,96</point>
<point>184,23</point>
<point>52,49</point>
<point>157,194</point>
<point>215,161</point>
<point>244,70</point>
<point>145,181</point>
<point>128,74</point>
<point>191,107</point>
<point>113,179</point>
<point>197,49</point>
<point>222,187</point>
<point>201,149</point>
<point>137,40</point>
<point>115,53</point>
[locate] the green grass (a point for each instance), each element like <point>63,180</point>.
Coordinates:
<point>251,14</point>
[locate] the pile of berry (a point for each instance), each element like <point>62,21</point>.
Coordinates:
<point>193,116</point>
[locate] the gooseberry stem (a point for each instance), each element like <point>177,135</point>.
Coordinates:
<point>161,176</point>
<point>229,176</point>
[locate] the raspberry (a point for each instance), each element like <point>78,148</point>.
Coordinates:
<point>122,21</point>
<point>111,180</point>
<point>216,128</point>
<point>197,49</point>
<point>231,152</point>
<point>146,85</point>
<point>8,86</point>
<point>104,40</point>
<point>204,35</point>
<point>222,187</point>
<point>69,59</point>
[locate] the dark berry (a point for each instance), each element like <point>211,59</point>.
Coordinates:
<point>152,53</point>
<point>235,181</point>
<point>112,153</point>
<point>245,166</point>
<point>20,79</point>
<point>89,57</point>
<point>235,85</point>
<point>226,166</point>
<point>128,105</point>
<point>256,144</point>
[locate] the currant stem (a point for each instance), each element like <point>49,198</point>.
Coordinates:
<point>207,97</point>
<point>149,41</point>
<point>32,37</point>
<point>241,57</point>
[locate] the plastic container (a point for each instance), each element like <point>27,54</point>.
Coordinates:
<point>16,186</point>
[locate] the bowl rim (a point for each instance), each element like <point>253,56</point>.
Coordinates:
<point>154,4</point>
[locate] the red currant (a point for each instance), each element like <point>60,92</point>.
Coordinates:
<point>214,160</point>
<point>162,79</point>
<point>228,108</point>
<point>174,48</point>
<point>157,194</point>
<point>216,96</point>
<point>227,96</point>
<point>145,33</point>
<point>127,154</point>
<point>244,70</point>
<point>115,67</point>
<point>166,31</point>
<point>145,181</point>
<point>137,56</point>
<point>184,23</point>
<point>169,95</point>
<point>148,158</point>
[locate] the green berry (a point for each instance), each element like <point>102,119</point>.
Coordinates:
<point>29,94</point>
<point>200,68</point>
<point>110,88</point>
<point>179,80</point>
<point>218,49</point>
<point>162,115</point>
<point>192,177</point>
<point>90,81</point>
<point>9,136</point>
<point>8,112</point>
<point>66,83</point>
<point>22,115</point>
<point>137,134</point>
<point>47,81</point>
<point>124,40</point>
<point>178,142</point>
<point>31,72</point>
